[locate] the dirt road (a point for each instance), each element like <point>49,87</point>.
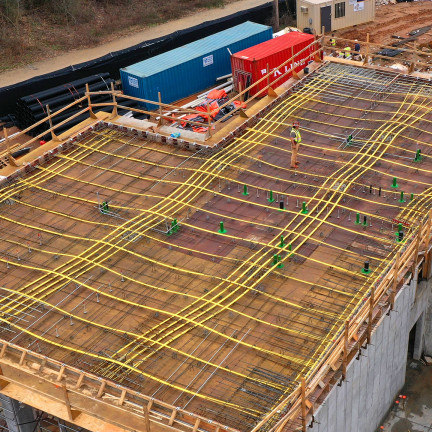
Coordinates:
<point>78,56</point>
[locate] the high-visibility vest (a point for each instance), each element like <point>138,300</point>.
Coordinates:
<point>333,42</point>
<point>298,136</point>
<point>347,50</point>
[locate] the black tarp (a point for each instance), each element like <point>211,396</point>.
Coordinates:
<point>112,62</point>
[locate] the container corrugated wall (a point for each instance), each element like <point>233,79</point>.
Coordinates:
<point>250,65</point>
<point>191,68</point>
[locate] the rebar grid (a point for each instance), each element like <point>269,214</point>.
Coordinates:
<point>150,292</point>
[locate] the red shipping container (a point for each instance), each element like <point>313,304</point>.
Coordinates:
<point>249,65</point>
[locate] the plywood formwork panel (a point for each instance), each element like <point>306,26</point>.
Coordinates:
<point>149,293</point>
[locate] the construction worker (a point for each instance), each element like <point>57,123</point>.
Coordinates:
<point>295,143</point>
<point>347,52</point>
<point>333,43</point>
<point>357,46</point>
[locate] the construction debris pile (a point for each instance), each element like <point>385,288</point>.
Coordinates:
<point>213,108</point>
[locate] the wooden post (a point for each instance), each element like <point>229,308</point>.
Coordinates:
<point>345,351</point>
<point>101,389</point>
<point>268,75</point>
<point>122,397</point>
<point>92,115</point>
<point>303,404</point>
<point>173,416</point>
<point>54,137</point>
<point>3,350</point>
<point>80,381</point>
<point>270,91</point>
<point>146,418</point>
<point>114,111</point>
<point>367,49</point>
<point>209,120</point>
<point>426,263</point>
<point>416,250</point>
<point>160,110</point>
<point>196,425</point>
<point>72,414</point>
<point>276,15</point>
<point>395,281</point>
<point>370,315</point>
<point>294,73</point>
<point>11,159</point>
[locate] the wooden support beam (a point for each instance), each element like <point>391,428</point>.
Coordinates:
<point>160,121</point>
<point>395,281</point>
<point>272,93</point>
<point>3,381</point>
<point>92,115</point>
<point>345,351</point>
<point>303,404</point>
<point>196,425</point>
<point>365,61</point>
<point>60,374</point>
<point>42,365</point>
<point>12,161</point>
<point>22,358</point>
<point>80,380</point>
<point>172,418</point>
<point>295,75</point>
<point>101,389</point>
<point>146,418</point>
<point>426,263</point>
<point>114,112</point>
<point>122,397</point>
<point>268,75</point>
<point>150,404</point>
<point>370,315</point>
<point>209,120</point>
<point>416,250</point>
<point>72,414</point>
<point>411,68</point>
<point>54,137</point>
<point>242,113</point>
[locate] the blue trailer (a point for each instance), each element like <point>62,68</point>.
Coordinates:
<point>191,68</point>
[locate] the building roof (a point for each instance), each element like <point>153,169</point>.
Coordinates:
<point>320,2</point>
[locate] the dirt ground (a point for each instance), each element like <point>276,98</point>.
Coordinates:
<point>118,42</point>
<point>398,19</point>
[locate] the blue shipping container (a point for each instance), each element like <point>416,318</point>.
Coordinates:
<point>191,68</point>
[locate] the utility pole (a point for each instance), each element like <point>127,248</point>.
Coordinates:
<point>276,15</point>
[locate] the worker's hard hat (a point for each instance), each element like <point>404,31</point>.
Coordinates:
<point>356,40</point>
<point>296,123</point>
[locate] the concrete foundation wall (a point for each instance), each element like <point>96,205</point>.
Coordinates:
<point>375,379</point>
<point>427,335</point>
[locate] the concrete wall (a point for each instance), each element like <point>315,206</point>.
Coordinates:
<point>427,336</point>
<point>375,379</point>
